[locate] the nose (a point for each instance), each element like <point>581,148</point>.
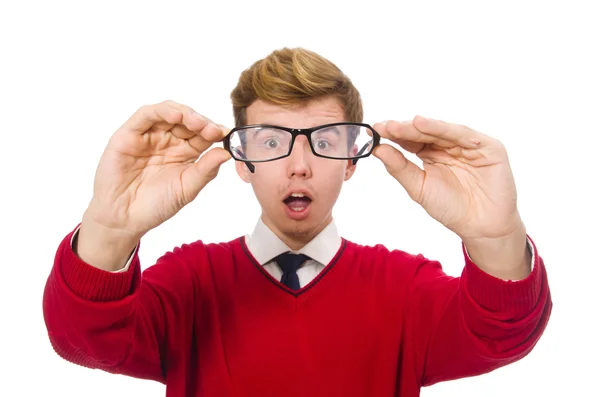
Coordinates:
<point>299,165</point>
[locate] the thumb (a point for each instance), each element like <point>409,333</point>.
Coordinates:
<point>410,176</point>
<point>200,173</point>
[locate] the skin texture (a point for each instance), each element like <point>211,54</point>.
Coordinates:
<point>321,178</point>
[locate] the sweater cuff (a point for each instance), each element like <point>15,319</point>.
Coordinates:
<point>91,283</point>
<point>497,295</point>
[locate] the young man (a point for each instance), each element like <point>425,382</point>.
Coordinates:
<point>241,319</point>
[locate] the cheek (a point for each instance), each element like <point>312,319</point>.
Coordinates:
<point>266,183</point>
<point>331,181</point>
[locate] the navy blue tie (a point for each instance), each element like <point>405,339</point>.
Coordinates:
<point>289,264</point>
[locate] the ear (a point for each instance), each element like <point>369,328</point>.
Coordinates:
<point>242,171</point>
<point>350,168</point>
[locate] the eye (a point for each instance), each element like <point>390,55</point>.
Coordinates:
<point>322,144</point>
<point>272,143</point>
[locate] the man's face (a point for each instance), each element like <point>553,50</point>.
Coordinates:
<point>296,220</point>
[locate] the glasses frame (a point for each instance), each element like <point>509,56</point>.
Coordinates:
<point>295,133</point>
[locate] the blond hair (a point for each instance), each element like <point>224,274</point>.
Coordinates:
<point>293,76</point>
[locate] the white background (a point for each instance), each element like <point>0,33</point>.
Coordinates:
<point>525,72</point>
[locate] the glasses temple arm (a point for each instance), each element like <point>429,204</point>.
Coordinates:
<point>360,152</point>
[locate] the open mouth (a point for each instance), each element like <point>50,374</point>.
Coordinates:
<point>297,202</point>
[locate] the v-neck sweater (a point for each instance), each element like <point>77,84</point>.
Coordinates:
<point>208,320</point>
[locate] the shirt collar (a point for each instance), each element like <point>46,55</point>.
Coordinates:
<point>264,245</point>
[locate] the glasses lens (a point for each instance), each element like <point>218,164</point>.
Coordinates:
<point>260,143</point>
<point>344,141</point>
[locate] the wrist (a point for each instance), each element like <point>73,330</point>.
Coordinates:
<point>104,247</point>
<point>506,257</point>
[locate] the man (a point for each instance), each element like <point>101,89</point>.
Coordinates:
<point>244,317</point>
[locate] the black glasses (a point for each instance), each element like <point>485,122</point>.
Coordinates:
<point>339,141</point>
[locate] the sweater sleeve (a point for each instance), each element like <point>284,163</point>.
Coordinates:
<point>118,322</point>
<point>470,325</point>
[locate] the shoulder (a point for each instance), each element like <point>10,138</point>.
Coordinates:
<point>199,251</point>
<point>380,252</point>
<point>386,259</point>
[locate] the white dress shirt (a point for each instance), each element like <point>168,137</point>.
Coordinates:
<point>264,245</point>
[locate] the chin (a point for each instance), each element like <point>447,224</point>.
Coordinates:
<point>290,226</point>
<point>299,228</point>
<point>304,226</point>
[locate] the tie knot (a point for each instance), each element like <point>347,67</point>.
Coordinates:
<point>289,263</point>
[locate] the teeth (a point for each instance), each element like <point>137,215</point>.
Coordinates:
<point>297,209</point>
<point>297,195</point>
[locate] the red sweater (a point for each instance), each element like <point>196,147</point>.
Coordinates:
<point>208,320</point>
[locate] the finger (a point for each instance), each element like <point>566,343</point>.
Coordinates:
<point>460,134</point>
<point>472,156</point>
<point>432,156</point>
<point>405,131</point>
<point>200,173</point>
<point>203,139</point>
<point>410,176</point>
<point>412,147</point>
<point>162,115</point>
<point>216,133</point>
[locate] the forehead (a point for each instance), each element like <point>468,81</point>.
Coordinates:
<point>312,113</point>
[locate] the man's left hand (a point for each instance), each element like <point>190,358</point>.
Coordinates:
<point>466,182</point>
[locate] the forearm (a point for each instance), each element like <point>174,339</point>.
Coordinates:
<point>477,322</point>
<point>103,320</point>
<point>81,306</point>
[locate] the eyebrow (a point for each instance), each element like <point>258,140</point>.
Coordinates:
<point>329,129</point>
<point>266,130</point>
<point>318,128</point>
<point>270,123</point>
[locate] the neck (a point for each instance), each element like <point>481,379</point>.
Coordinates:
<point>298,236</point>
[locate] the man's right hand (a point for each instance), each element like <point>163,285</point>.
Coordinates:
<point>147,173</point>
